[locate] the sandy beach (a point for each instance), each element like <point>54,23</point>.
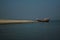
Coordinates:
<point>16,21</point>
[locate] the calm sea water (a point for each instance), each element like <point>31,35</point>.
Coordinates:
<point>31,31</point>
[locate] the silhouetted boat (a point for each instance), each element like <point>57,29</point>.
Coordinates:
<point>43,20</point>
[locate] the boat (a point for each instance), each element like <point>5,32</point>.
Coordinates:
<point>43,20</point>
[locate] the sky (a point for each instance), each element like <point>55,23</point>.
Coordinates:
<point>29,9</point>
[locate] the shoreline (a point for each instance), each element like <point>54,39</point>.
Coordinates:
<point>16,21</point>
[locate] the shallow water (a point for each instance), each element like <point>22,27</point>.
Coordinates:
<point>31,31</point>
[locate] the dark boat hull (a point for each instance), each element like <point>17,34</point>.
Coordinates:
<point>42,20</point>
